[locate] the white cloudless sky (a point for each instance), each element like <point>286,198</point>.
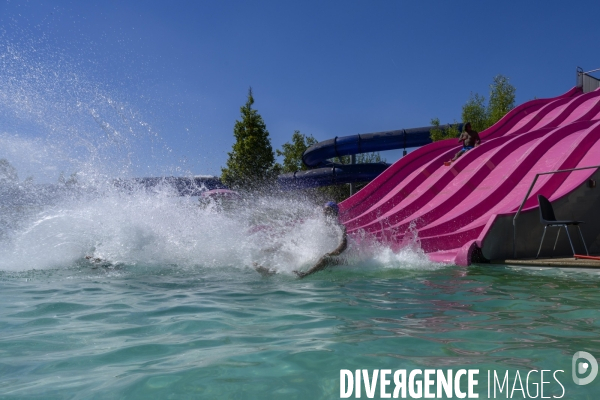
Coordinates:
<point>326,68</point>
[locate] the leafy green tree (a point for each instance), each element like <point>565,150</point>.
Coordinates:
<point>502,99</point>
<point>251,163</point>
<point>367,158</point>
<point>445,132</point>
<point>475,112</point>
<point>361,158</point>
<point>292,152</point>
<point>480,115</point>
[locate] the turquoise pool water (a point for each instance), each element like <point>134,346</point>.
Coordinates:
<point>161,332</point>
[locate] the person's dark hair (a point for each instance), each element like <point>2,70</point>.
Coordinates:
<point>465,126</point>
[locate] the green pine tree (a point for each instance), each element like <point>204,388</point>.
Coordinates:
<point>251,162</point>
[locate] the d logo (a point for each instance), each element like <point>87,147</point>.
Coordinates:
<point>581,367</point>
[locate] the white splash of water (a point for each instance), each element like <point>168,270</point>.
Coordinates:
<point>372,254</point>
<point>158,229</point>
<point>57,120</point>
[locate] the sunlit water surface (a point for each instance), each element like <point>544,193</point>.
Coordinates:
<point>139,331</point>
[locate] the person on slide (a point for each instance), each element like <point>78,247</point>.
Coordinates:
<point>469,138</point>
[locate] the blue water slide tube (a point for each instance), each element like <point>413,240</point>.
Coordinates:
<point>332,174</point>
<point>326,173</point>
<point>315,155</point>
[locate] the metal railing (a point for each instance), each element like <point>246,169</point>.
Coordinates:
<point>527,196</point>
<point>587,82</point>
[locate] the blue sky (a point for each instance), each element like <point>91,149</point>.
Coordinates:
<point>326,68</point>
